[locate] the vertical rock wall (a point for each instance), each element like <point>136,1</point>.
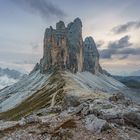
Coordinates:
<point>64,48</point>
<point>91,56</point>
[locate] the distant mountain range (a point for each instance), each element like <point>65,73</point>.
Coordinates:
<point>135,73</point>
<point>9,77</point>
<point>10,73</point>
<point>129,81</point>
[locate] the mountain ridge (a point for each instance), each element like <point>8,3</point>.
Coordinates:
<point>135,73</point>
<point>64,48</point>
<point>9,77</point>
<point>11,73</point>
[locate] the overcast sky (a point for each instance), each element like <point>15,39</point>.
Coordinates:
<point>114,25</point>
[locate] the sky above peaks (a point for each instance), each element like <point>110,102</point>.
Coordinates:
<point>114,25</point>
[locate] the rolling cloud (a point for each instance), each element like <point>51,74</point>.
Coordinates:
<point>119,47</point>
<point>44,8</point>
<point>121,43</point>
<point>126,27</point>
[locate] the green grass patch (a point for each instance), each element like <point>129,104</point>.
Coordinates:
<point>40,99</point>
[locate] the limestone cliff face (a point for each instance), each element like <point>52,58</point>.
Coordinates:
<point>75,44</point>
<point>55,48</point>
<point>64,48</point>
<point>91,56</point>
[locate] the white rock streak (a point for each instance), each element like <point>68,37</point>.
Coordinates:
<point>21,90</point>
<point>99,81</point>
<point>15,94</point>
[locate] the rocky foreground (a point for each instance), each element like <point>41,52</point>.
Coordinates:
<point>90,119</point>
<point>81,113</point>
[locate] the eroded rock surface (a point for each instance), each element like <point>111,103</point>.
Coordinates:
<point>64,48</point>
<point>91,56</point>
<point>92,119</point>
<point>94,124</point>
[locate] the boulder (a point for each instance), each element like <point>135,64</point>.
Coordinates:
<point>132,118</point>
<point>71,101</point>
<point>28,120</point>
<point>117,97</point>
<point>93,124</point>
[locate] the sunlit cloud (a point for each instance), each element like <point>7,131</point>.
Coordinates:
<point>126,27</point>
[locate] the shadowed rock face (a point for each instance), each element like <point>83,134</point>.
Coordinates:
<point>91,56</point>
<point>64,48</point>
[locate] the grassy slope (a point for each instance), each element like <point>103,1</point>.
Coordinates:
<point>39,99</point>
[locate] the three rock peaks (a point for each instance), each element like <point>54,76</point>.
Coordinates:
<point>64,47</point>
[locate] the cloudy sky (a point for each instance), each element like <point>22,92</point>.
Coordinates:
<point>114,25</point>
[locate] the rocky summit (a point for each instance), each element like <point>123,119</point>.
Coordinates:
<point>64,48</point>
<point>68,96</point>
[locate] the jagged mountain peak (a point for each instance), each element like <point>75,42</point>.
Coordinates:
<point>60,25</point>
<point>64,47</point>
